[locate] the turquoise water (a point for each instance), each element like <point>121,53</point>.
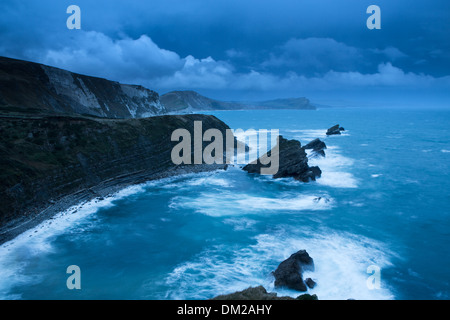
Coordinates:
<point>385,197</point>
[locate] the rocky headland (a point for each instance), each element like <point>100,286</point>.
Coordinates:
<point>191,101</point>
<point>67,138</point>
<point>55,161</point>
<point>36,88</point>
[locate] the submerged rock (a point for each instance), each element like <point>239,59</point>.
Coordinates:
<point>317,146</point>
<point>335,130</point>
<point>260,293</point>
<point>289,272</point>
<point>293,162</point>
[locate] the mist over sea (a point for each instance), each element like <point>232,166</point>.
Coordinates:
<point>383,199</point>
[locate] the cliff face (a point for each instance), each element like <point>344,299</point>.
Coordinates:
<point>28,86</point>
<point>45,158</point>
<point>188,101</point>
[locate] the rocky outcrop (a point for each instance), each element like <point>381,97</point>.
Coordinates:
<point>336,129</point>
<point>288,275</point>
<point>33,87</point>
<point>293,162</point>
<point>310,283</point>
<point>260,293</point>
<point>289,272</point>
<point>317,146</point>
<point>43,159</point>
<point>191,101</point>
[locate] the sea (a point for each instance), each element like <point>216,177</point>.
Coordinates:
<point>376,223</point>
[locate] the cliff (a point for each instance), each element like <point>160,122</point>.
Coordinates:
<point>32,87</point>
<point>45,159</point>
<point>190,101</point>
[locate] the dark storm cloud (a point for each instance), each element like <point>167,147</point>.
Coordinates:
<point>234,49</point>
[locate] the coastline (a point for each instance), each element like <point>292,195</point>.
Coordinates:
<point>102,190</point>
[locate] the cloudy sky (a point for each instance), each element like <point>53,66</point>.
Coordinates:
<point>246,49</point>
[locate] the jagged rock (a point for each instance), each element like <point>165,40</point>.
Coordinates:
<point>314,172</point>
<point>310,283</point>
<point>260,293</point>
<point>289,272</point>
<point>317,146</point>
<point>334,130</point>
<point>293,162</point>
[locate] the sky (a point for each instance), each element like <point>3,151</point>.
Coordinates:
<point>246,49</point>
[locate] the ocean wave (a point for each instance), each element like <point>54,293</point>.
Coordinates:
<point>220,182</point>
<point>34,242</point>
<point>334,168</point>
<point>229,204</point>
<point>210,178</point>
<point>341,262</point>
<point>445,151</point>
<point>240,223</point>
<point>307,135</point>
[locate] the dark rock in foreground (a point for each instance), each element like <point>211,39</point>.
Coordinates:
<point>289,272</point>
<point>317,146</point>
<point>293,162</point>
<point>260,293</point>
<point>335,130</point>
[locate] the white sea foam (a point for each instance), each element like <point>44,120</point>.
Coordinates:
<point>334,168</point>
<point>445,151</point>
<point>308,134</point>
<point>205,181</point>
<point>229,204</point>
<point>211,178</point>
<point>38,240</point>
<point>376,175</point>
<point>240,223</point>
<point>341,262</point>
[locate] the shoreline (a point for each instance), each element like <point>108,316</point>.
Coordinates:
<point>102,190</point>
